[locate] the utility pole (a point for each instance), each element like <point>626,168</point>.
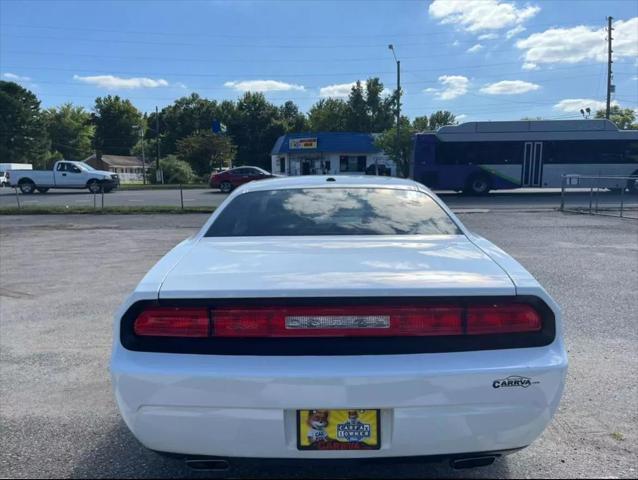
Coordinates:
<point>391,47</point>
<point>610,87</point>
<point>141,129</point>
<point>158,170</point>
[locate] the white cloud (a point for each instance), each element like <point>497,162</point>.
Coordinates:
<point>529,66</point>
<point>581,43</point>
<point>461,117</point>
<point>455,43</point>
<point>488,36</point>
<point>515,31</point>
<point>338,90</point>
<point>475,48</point>
<point>453,86</point>
<point>263,86</point>
<point>112,82</point>
<point>575,104</point>
<point>509,87</point>
<point>15,78</point>
<point>478,15</point>
<point>342,90</point>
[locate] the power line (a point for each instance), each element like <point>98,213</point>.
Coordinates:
<point>244,76</point>
<point>386,36</point>
<point>420,82</point>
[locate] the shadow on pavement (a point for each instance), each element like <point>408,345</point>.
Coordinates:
<point>119,454</point>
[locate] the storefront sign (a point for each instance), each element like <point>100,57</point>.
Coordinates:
<point>302,143</point>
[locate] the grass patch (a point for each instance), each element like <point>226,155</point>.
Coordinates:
<point>61,210</point>
<point>619,437</point>
<point>172,186</point>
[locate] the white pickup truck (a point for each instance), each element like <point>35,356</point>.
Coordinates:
<point>65,174</point>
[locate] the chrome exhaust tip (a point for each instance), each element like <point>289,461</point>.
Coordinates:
<point>471,462</point>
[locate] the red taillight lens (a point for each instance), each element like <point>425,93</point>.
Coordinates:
<point>512,318</point>
<point>348,321</point>
<point>354,321</point>
<point>173,322</point>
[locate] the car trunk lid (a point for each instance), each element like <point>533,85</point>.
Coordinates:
<point>381,266</point>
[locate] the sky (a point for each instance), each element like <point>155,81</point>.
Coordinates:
<point>480,59</point>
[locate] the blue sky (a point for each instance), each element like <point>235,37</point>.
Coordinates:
<point>483,60</point>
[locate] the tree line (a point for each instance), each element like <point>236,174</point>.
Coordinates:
<point>187,145</point>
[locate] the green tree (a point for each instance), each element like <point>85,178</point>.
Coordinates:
<point>205,150</point>
<point>357,118</point>
<point>291,118</point>
<point>23,136</point>
<point>624,118</point>
<point>328,115</point>
<point>175,170</point>
<point>367,109</point>
<point>398,151</point>
<point>420,124</point>
<point>184,117</point>
<point>442,118</point>
<point>381,110</point>
<point>115,120</point>
<point>70,131</point>
<point>254,126</point>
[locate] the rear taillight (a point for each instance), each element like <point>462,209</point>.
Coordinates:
<point>173,322</point>
<point>512,318</point>
<point>354,321</point>
<point>347,321</point>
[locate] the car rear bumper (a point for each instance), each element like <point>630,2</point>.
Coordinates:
<point>431,404</point>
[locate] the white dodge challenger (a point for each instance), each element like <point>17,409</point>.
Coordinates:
<point>337,318</point>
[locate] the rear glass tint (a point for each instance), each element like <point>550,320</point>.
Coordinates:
<point>332,211</point>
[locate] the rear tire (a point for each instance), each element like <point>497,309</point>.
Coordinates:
<point>27,187</point>
<point>225,187</point>
<point>478,184</point>
<point>43,189</point>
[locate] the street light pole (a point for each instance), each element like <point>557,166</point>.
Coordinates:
<point>391,47</point>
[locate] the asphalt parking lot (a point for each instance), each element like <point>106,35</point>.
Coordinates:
<point>62,277</point>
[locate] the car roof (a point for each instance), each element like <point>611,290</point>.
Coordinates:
<point>331,181</point>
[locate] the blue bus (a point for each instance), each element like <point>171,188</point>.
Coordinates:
<point>477,157</point>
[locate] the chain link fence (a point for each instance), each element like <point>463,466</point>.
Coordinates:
<point>175,197</point>
<point>609,195</point>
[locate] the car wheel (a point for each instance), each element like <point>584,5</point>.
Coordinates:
<point>42,189</point>
<point>478,185</point>
<point>94,186</point>
<point>27,187</point>
<point>632,186</point>
<point>226,187</point>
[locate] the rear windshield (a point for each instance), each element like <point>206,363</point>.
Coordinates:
<point>332,211</point>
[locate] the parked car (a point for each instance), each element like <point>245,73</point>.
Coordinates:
<point>5,167</point>
<point>65,174</point>
<point>234,177</point>
<point>321,318</point>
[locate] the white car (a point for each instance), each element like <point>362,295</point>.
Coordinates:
<point>330,318</point>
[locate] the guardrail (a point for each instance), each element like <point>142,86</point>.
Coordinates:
<point>610,195</point>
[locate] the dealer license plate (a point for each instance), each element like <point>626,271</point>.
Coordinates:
<point>338,430</point>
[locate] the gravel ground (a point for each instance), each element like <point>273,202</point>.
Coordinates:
<point>61,277</point>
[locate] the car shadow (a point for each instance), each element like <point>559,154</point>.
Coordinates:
<point>119,455</point>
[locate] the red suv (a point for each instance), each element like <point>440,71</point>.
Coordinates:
<point>234,177</point>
